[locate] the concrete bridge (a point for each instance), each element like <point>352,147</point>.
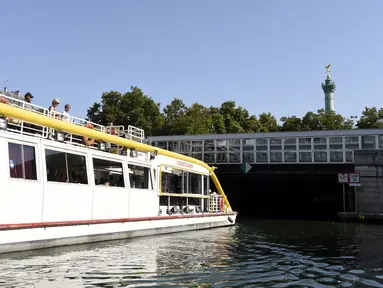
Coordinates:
<point>317,147</point>
<point>293,174</point>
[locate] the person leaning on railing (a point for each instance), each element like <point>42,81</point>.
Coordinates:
<point>110,129</point>
<point>52,113</point>
<point>66,117</point>
<point>29,127</point>
<point>28,99</point>
<point>65,114</point>
<point>52,108</point>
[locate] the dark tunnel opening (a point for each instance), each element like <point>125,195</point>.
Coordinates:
<point>308,192</point>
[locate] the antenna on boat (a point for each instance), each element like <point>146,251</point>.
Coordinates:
<point>5,85</point>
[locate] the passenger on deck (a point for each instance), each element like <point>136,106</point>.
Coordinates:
<point>52,113</point>
<point>28,98</point>
<point>52,108</point>
<point>111,130</point>
<point>66,117</point>
<point>30,128</point>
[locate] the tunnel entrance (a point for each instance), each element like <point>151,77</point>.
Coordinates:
<point>309,192</point>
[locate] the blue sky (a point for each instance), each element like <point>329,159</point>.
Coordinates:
<point>267,55</point>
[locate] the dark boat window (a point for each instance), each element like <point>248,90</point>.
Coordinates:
<point>108,173</point>
<point>139,177</point>
<point>65,167</point>
<point>22,161</point>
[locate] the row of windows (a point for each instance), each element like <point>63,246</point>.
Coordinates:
<point>265,144</point>
<point>179,182</point>
<point>71,168</point>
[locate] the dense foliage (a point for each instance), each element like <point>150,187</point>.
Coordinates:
<point>136,108</point>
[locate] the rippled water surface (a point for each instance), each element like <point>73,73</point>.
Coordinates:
<point>254,253</point>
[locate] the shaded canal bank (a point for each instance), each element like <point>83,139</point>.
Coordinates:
<point>254,253</point>
<point>308,191</point>
<point>287,191</point>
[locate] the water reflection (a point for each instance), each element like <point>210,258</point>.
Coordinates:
<point>255,253</point>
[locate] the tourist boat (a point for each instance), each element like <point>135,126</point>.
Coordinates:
<point>66,183</point>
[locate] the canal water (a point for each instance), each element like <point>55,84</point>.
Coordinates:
<point>254,253</point>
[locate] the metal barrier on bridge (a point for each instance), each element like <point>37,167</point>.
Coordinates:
<point>311,147</point>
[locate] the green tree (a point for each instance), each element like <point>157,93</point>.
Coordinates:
<point>199,119</point>
<point>252,125</point>
<point>371,118</point>
<point>325,121</point>
<point>95,114</point>
<point>231,117</point>
<point>237,119</point>
<point>137,109</point>
<point>176,122</point>
<point>311,121</point>
<point>333,121</point>
<point>131,108</point>
<point>217,121</point>
<point>292,123</point>
<point>268,123</point>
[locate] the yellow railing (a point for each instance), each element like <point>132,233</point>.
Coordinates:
<point>38,119</point>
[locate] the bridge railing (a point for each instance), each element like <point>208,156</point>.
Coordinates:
<point>213,153</point>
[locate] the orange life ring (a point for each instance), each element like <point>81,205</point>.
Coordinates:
<point>221,204</point>
<point>3,100</point>
<point>86,140</point>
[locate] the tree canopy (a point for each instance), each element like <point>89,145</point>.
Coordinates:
<point>137,109</point>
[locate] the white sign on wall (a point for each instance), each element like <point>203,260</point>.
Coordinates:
<point>343,178</point>
<point>354,179</point>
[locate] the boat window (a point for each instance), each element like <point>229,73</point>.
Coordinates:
<point>108,173</point>
<point>172,180</point>
<point>154,182</point>
<point>22,161</point>
<point>206,185</point>
<point>139,177</point>
<point>195,183</point>
<point>65,167</point>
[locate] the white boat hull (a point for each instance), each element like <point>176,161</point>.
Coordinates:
<point>23,237</point>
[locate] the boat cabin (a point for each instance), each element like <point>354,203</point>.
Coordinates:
<point>49,175</point>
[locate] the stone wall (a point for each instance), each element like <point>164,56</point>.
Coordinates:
<point>369,197</point>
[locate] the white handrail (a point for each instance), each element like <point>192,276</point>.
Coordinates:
<point>17,126</point>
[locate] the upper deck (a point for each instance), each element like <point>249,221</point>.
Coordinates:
<point>132,133</point>
<point>318,147</point>
<point>16,126</point>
